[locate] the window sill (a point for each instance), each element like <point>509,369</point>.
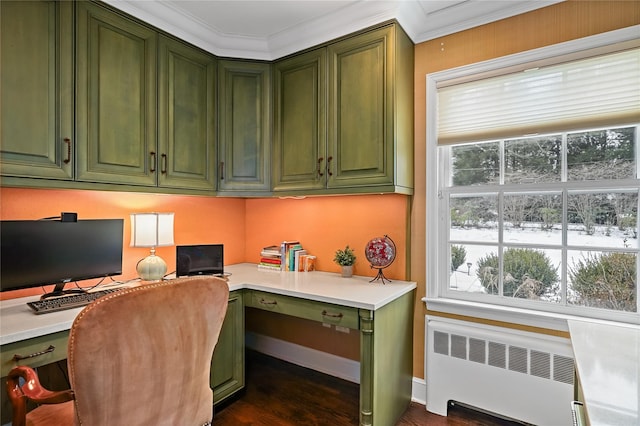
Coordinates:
<point>526,317</point>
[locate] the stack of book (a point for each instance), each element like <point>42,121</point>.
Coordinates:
<point>306,263</point>
<point>295,258</point>
<point>288,250</point>
<point>288,256</point>
<point>270,258</point>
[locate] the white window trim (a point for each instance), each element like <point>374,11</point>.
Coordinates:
<point>434,300</point>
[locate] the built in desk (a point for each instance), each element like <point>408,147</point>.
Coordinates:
<point>383,314</point>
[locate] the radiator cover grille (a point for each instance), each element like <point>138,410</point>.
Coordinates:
<point>521,375</point>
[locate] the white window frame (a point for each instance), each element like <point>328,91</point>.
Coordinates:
<point>435,298</point>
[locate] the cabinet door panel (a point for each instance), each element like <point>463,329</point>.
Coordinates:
<point>361,113</point>
<point>36,125</point>
<point>300,122</point>
<point>116,98</point>
<point>186,113</point>
<point>227,365</point>
<point>245,133</point>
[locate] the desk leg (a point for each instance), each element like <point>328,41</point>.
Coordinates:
<point>366,367</point>
<point>386,362</point>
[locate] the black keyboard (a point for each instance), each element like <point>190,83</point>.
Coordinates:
<point>54,304</point>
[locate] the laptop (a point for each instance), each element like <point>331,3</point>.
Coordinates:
<point>203,259</point>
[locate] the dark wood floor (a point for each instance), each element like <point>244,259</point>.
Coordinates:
<point>282,394</point>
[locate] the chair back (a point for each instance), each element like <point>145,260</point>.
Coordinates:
<point>142,356</point>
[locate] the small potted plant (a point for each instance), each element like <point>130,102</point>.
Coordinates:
<point>345,258</point>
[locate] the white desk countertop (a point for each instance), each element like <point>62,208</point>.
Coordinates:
<point>18,322</point>
<point>607,358</point>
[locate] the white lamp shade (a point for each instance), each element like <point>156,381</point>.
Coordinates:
<point>151,229</point>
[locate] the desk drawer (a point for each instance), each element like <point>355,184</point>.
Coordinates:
<point>37,345</point>
<point>327,313</point>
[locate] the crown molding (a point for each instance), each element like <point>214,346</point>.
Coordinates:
<point>463,16</point>
<point>419,23</point>
<point>345,21</point>
<point>192,30</point>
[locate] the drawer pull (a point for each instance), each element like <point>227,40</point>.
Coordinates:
<point>267,302</point>
<point>17,357</point>
<point>327,314</point>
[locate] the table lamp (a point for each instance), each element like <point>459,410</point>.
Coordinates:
<point>151,230</point>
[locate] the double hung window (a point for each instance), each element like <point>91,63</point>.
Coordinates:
<point>534,177</point>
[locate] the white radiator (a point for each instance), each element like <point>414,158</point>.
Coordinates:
<point>516,374</point>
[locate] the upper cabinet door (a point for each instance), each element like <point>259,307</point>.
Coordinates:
<point>361,110</point>
<point>244,125</point>
<point>300,87</point>
<point>36,82</point>
<point>116,98</point>
<point>186,116</point>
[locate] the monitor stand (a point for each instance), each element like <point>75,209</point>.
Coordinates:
<point>60,291</point>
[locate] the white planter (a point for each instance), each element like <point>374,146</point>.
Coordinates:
<point>347,271</point>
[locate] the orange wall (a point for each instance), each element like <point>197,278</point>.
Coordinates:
<point>321,224</point>
<point>197,219</point>
<point>561,22</point>
<point>324,224</point>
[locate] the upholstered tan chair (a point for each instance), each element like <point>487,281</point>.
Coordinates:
<point>140,356</point>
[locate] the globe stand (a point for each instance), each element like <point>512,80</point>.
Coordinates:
<point>380,252</point>
<point>380,276</point>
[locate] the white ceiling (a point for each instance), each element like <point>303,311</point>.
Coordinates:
<point>270,29</point>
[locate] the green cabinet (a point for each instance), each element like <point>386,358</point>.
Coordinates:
<point>36,86</point>
<point>370,112</point>
<point>300,126</point>
<point>145,105</point>
<point>115,98</point>
<point>121,105</point>
<point>227,365</point>
<point>347,128</point>
<point>49,348</point>
<point>244,90</point>
<point>186,116</point>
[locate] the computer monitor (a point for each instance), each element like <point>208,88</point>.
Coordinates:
<point>41,252</point>
<point>203,259</point>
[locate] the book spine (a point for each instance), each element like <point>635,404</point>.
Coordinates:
<point>292,256</point>
<point>263,267</point>
<point>285,254</point>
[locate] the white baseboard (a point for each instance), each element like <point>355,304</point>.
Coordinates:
<point>419,391</point>
<point>323,362</point>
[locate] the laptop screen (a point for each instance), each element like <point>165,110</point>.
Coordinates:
<point>205,259</point>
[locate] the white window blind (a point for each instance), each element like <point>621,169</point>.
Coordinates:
<point>598,91</point>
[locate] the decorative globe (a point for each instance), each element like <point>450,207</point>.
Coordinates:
<point>380,252</point>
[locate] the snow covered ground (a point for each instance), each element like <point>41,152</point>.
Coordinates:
<point>465,278</point>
